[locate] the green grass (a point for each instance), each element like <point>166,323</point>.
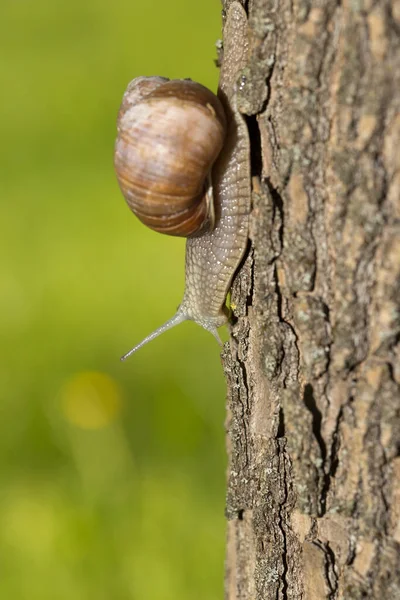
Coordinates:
<point>112,485</point>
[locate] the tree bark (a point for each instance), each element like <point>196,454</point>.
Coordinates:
<point>313,364</point>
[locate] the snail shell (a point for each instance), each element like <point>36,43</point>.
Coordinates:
<point>169,135</point>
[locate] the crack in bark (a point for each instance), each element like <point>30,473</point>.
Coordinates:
<point>333,463</point>
<point>245,410</point>
<point>281,426</point>
<point>330,573</point>
<point>277,203</point>
<point>282,520</point>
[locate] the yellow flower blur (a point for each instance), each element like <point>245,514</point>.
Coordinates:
<point>91,400</point>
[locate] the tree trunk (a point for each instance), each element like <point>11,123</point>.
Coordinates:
<point>313,365</point>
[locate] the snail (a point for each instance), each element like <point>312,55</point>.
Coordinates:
<point>182,163</point>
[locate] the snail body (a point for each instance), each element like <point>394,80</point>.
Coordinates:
<point>191,175</point>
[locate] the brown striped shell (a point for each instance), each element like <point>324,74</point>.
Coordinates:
<point>169,135</point>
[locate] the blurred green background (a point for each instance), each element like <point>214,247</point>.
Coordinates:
<point>111,474</point>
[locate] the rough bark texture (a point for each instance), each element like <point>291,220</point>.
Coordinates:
<point>313,366</point>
